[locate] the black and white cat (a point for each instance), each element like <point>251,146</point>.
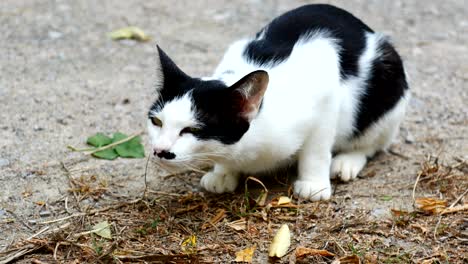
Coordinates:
<point>316,86</point>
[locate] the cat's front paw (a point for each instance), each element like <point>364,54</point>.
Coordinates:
<point>347,165</point>
<point>313,190</point>
<point>219,182</point>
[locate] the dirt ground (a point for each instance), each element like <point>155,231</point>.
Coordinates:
<point>63,79</point>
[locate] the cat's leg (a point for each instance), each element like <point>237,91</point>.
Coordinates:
<point>220,180</point>
<point>352,158</point>
<point>314,167</point>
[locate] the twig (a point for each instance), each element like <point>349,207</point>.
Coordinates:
<point>454,209</point>
<point>94,150</point>
<point>19,219</point>
<point>459,198</point>
<point>55,251</point>
<point>256,180</point>
<point>18,254</point>
<point>414,187</point>
<point>72,148</point>
<point>395,153</point>
<point>164,193</point>
<point>61,219</point>
<point>38,233</point>
<point>437,227</point>
<point>72,184</point>
<point>66,205</point>
<point>146,172</point>
<point>92,212</point>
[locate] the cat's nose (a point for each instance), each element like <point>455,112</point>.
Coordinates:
<point>164,154</point>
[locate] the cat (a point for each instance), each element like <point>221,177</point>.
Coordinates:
<point>315,86</point>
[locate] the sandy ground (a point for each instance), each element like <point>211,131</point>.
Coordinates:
<point>62,79</point>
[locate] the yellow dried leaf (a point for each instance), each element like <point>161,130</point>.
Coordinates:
<point>281,242</point>
<point>283,200</point>
<point>129,33</point>
<point>102,229</point>
<point>245,255</point>
<point>302,252</point>
<point>430,205</point>
<point>189,245</point>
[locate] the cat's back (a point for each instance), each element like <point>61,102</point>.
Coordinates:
<point>275,42</point>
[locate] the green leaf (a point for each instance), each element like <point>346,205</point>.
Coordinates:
<point>130,149</point>
<point>386,198</point>
<point>99,140</point>
<point>108,154</point>
<point>118,136</point>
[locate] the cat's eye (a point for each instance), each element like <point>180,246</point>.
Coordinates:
<point>190,130</point>
<point>156,121</point>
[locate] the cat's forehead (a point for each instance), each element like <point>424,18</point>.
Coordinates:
<point>178,110</point>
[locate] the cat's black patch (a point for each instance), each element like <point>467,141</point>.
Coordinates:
<point>274,43</point>
<point>215,106</point>
<point>385,87</point>
<point>218,110</point>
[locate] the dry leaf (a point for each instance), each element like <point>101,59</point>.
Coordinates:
<point>129,33</point>
<point>261,200</point>
<point>281,242</point>
<point>218,217</point>
<point>353,259</point>
<point>399,213</point>
<point>302,252</point>
<point>102,229</point>
<point>420,227</point>
<point>284,200</point>
<point>245,255</point>
<point>26,194</point>
<point>430,205</point>
<point>238,225</point>
<point>455,209</point>
<point>189,245</point>
<point>40,203</point>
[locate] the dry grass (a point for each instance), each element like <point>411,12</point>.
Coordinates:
<point>205,228</point>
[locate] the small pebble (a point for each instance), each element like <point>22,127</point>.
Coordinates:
<point>38,128</point>
<point>44,213</point>
<point>4,162</point>
<point>54,34</point>
<point>409,138</point>
<point>380,213</point>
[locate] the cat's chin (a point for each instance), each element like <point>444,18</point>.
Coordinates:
<point>178,166</point>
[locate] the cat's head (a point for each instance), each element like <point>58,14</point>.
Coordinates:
<point>195,120</point>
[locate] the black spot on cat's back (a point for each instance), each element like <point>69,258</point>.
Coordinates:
<point>274,43</point>
<point>385,87</point>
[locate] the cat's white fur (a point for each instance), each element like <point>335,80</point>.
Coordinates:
<point>306,114</point>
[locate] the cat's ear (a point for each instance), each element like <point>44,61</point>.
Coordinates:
<point>170,74</point>
<point>248,93</point>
